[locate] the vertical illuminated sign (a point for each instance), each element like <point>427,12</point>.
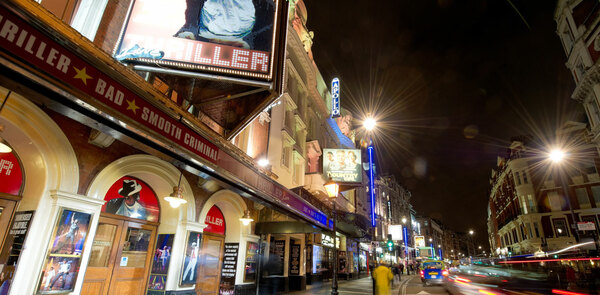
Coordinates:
<point>335,98</point>
<point>405,244</point>
<point>371,185</point>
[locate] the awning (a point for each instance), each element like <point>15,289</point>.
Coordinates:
<point>286,227</point>
<point>353,225</point>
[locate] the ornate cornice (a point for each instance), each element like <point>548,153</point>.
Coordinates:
<point>591,78</point>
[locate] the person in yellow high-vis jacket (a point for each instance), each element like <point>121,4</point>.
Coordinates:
<point>382,276</point>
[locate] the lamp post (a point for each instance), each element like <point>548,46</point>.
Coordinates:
<point>333,189</point>
<point>557,156</point>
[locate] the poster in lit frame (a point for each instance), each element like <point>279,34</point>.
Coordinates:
<point>61,266</point>
<point>342,165</point>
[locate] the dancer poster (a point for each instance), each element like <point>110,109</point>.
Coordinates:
<point>62,262</point>
<point>160,264</point>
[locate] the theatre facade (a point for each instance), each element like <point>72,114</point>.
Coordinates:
<point>115,180</point>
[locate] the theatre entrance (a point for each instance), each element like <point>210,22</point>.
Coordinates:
<point>123,245</point>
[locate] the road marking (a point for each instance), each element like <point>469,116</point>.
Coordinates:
<point>404,285</point>
<point>423,293</point>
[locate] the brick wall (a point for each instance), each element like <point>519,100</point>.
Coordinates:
<point>92,159</point>
<point>111,24</point>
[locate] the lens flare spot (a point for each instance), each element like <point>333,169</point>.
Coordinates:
<point>471,131</point>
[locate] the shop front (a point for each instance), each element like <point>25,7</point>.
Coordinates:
<point>88,213</point>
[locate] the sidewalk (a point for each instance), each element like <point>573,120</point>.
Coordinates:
<point>359,286</point>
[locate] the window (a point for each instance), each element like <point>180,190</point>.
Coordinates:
<point>554,201</point>
<point>523,237</point>
<point>525,180</point>
<point>532,206</point>
<point>582,198</point>
<point>537,231</point>
<point>517,178</point>
<point>515,236</point>
<point>88,17</point>
<point>593,112</point>
<point>286,154</point>
<point>566,37</point>
<point>530,233</point>
<point>590,168</point>
<point>524,205</point>
<point>596,194</point>
<point>560,227</point>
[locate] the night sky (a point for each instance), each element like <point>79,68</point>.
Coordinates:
<point>450,82</point>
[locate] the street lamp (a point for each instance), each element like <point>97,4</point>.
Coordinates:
<point>369,123</point>
<point>471,232</point>
<point>333,190</point>
<point>557,156</point>
<point>404,220</point>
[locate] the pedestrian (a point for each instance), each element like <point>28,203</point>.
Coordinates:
<point>571,278</point>
<point>382,276</point>
<point>402,268</point>
<point>399,268</point>
<point>395,273</point>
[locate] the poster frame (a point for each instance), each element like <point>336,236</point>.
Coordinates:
<point>187,246</point>
<point>73,257</point>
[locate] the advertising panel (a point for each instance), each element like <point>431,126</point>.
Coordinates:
<point>419,241</point>
<point>62,262</point>
<point>160,265</point>
<point>13,245</point>
<point>133,198</point>
<point>251,262</point>
<point>342,165</point>
<point>227,284</point>
<point>190,260</point>
<point>396,232</point>
<point>231,37</point>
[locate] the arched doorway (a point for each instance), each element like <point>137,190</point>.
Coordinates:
<point>211,256</point>
<point>224,242</point>
<point>11,184</point>
<point>124,241</point>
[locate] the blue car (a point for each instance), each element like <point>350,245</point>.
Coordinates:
<point>433,272</point>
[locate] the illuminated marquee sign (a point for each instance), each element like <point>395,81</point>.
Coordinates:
<point>335,98</point>
<point>227,37</point>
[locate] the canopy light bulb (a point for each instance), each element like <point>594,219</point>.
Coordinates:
<point>175,199</point>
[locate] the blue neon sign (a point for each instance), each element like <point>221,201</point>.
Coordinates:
<point>371,185</point>
<point>335,98</point>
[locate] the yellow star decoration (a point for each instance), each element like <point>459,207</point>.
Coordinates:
<point>81,74</point>
<point>132,106</point>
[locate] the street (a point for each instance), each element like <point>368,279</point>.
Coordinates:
<point>409,285</point>
<point>414,286</point>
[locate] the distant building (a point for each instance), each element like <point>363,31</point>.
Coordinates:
<point>527,209</point>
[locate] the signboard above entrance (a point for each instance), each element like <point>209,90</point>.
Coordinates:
<point>11,175</point>
<point>100,90</point>
<point>215,221</point>
<point>219,36</point>
<point>133,198</point>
